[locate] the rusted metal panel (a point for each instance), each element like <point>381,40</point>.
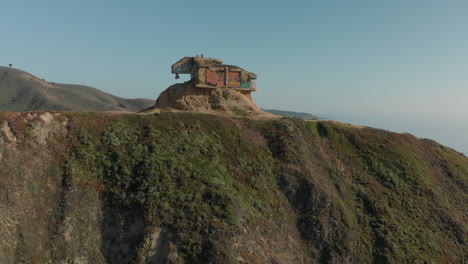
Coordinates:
<point>215,78</point>
<point>211,77</point>
<point>234,79</point>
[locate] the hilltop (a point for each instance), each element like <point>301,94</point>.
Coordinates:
<point>214,88</point>
<point>21,91</point>
<point>202,188</point>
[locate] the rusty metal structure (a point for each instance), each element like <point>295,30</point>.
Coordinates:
<point>211,73</point>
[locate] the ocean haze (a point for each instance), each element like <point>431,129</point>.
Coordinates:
<point>448,130</point>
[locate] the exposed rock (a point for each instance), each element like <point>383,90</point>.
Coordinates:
<point>6,130</point>
<point>46,118</point>
<point>213,88</point>
<point>186,97</point>
<point>159,247</point>
<point>40,126</point>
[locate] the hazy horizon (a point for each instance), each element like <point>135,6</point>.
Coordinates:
<point>403,62</point>
<point>449,131</point>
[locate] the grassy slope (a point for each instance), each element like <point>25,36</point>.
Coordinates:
<point>21,91</point>
<point>229,190</point>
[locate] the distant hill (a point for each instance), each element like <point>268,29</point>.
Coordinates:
<point>21,91</point>
<point>291,114</point>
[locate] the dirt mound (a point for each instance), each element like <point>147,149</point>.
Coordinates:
<point>186,97</point>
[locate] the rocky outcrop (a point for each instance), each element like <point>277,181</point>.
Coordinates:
<point>186,97</point>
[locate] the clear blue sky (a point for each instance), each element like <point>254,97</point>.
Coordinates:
<point>370,61</point>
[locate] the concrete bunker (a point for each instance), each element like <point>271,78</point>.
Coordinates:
<point>211,73</point>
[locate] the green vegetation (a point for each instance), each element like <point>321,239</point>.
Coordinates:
<point>388,180</point>
<point>223,190</point>
<point>194,177</point>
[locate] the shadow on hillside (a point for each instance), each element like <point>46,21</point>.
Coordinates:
<point>123,231</point>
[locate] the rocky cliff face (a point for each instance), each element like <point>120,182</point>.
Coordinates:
<point>196,188</point>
